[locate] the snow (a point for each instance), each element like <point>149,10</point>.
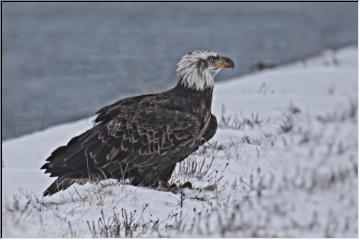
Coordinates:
<point>283,163</point>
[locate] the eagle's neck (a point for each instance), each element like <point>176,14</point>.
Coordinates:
<point>197,82</point>
<point>195,77</point>
<point>189,89</point>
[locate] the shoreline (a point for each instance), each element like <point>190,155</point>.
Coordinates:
<point>217,83</point>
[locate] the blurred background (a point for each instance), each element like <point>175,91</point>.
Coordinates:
<point>63,61</point>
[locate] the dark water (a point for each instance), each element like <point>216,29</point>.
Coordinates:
<point>62,61</point>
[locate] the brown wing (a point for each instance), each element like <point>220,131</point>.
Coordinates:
<point>130,136</point>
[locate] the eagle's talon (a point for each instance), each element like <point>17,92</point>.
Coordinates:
<point>167,186</point>
<point>186,185</point>
<point>173,185</point>
<point>164,184</point>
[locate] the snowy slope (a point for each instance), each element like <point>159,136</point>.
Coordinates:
<point>283,163</point>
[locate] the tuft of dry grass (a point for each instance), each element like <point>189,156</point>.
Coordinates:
<point>228,121</point>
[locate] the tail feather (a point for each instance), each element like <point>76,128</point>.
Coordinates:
<point>59,184</point>
<point>69,162</point>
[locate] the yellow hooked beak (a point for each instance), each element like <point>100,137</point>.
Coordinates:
<point>223,62</point>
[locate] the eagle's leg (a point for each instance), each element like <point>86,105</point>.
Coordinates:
<point>154,178</point>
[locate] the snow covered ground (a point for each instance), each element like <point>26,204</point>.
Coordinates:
<point>282,164</point>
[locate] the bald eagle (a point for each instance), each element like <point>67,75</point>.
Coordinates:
<point>142,138</point>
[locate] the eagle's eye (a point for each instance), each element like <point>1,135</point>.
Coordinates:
<point>211,59</point>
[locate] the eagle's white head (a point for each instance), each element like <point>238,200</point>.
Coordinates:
<point>197,69</point>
